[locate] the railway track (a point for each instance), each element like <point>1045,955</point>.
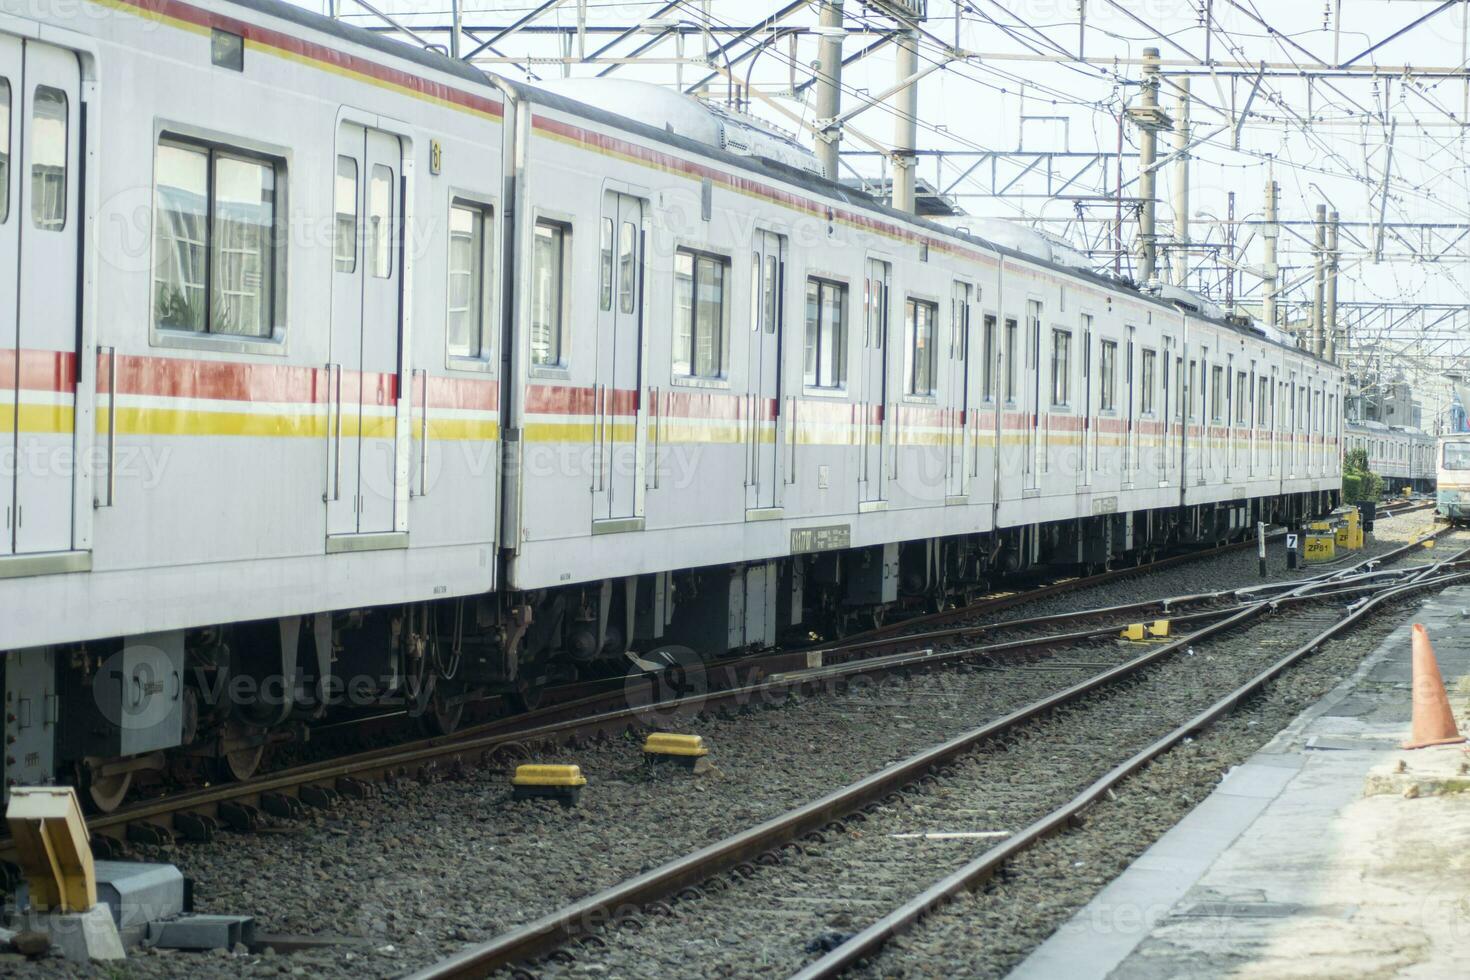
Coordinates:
<point>197,814</point>
<point>1313,605</point>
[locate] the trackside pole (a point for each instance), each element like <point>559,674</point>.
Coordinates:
<point>1261,545</point>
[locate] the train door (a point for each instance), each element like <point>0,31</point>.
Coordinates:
<point>767,310</point>
<point>616,405</point>
<point>368,462</point>
<point>1167,373</point>
<point>1130,433</point>
<point>873,382</point>
<point>40,221</point>
<point>1085,433</point>
<point>1032,382</point>
<point>958,391</point>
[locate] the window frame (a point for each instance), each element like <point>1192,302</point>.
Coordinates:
<point>561,368</point>
<point>910,347</point>
<point>1217,393</point>
<point>1107,368</point>
<point>1009,378</point>
<point>489,297</point>
<point>824,282</point>
<point>1148,373</point>
<point>194,137</point>
<point>989,332</point>
<point>1061,369</point>
<point>697,252</point>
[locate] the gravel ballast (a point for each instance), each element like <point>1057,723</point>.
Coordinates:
<point>786,915</point>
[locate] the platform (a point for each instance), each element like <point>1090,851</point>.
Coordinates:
<point>1312,859</point>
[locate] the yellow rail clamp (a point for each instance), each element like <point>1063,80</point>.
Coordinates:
<point>561,783</point>
<point>1429,544</point>
<point>51,840</point>
<point>1160,627</point>
<point>689,751</point>
<point>1134,631</point>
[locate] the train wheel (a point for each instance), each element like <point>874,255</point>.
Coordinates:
<point>526,694</point>
<point>104,792</point>
<point>443,715</point>
<point>241,764</point>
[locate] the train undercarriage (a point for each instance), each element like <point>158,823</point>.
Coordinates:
<point>206,704</point>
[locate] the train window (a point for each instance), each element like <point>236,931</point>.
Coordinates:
<point>48,159</point>
<point>627,267</point>
<point>215,241</point>
<point>1061,368</point>
<point>959,321</point>
<point>241,232</point>
<point>1108,388</point>
<point>380,221</point>
<point>345,194</point>
<point>1261,399</point>
<point>987,369</point>
<point>1146,399</point>
<point>607,264</point>
<point>1010,355</point>
<point>1217,393</point>
<point>468,233</point>
<point>181,237</point>
<point>1242,398</point>
<point>699,314</point>
<point>1456,456</point>
<point>824,364</point>
<point>4,150</point>
<point>548,269</point>
<point>919,321</point>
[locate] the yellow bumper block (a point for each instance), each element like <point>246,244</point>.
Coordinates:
<point>690,751</point>
<point>1141,631</point>
<point>666,743</point>
<point>562,783</point>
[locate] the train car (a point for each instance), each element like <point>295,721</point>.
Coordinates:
<point>388,381</point>
<point>1403,456</point>
<point>1452,478</point>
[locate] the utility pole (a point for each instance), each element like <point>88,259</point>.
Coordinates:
<point>906,121</point>
<point>1269,231</point>
<point>829,87</point>
<point>1331,312</point>
<point>1149,118</point>
<point>1230,270</point>
<point>1319,279</point>
<point>1181,184</point>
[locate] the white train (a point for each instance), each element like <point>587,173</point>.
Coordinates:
<point>1452,478</point>
<point>345,372</point>
<point>1403,456</point>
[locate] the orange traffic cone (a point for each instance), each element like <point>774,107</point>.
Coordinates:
<point>1434,724</point>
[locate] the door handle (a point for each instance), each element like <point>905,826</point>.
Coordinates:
<point>111,426</point>
<point>656,408</point>
<point>423,373</point>
<point>334,434</point>
<point>599,431</point>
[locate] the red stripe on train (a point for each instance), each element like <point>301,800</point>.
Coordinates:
<point>38,370</point>
<point>319,53</point>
